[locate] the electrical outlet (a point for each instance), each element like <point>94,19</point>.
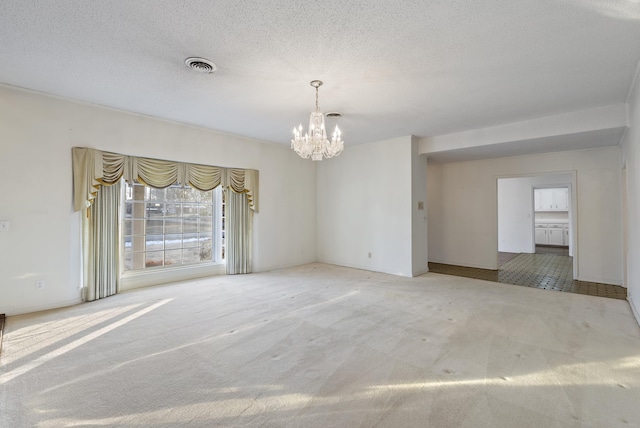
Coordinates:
<point>40,285</point>
<point>369,255</point>
<point>4,224</point>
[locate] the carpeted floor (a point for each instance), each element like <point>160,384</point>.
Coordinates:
<point>325,346</point>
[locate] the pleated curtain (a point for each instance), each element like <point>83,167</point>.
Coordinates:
<point>239,219</point>
<point>101,247</point>
<point>92,168</point>
<point>96,189</point>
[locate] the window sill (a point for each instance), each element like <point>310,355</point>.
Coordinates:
<point>146,278</point>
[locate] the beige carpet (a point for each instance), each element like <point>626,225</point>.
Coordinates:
<point>324,346</point>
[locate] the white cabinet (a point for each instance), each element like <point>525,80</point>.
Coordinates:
<point>555,233</point>
<point>543,199</point>
<point>541,237</point>
<point>551,199</point>
<point>561,199</point>
<point>552,234</point>
<point>537,200</point>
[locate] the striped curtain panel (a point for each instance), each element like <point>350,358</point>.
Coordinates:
<point>238,233</point>
<point>101,244</point>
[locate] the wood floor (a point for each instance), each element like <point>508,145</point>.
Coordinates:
<point>550,269</point>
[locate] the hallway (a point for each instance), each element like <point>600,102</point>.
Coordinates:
<point>549,269</point>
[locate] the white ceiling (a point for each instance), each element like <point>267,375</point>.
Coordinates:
<point>393,68</point>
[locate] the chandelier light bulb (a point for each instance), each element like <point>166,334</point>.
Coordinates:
<point>336,132</point>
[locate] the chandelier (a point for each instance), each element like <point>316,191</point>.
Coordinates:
<point>314,143</point>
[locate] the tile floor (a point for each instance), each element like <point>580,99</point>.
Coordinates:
<point>546,269</point>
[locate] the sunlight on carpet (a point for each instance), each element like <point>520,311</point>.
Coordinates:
<point>319,346</point>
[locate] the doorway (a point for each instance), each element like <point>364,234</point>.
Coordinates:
<point>552,214</point>
<point>536,217</point>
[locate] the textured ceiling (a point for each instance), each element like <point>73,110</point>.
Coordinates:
<point>391,67</point>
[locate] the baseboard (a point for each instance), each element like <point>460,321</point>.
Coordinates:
<point>258,269</point>
<point>48,307</point>
<point>367,268</point>
<point>141,279</point>
<point>421,272</point>
<point>601,280</point>
<point>463,264</point>
<point>634,309</point>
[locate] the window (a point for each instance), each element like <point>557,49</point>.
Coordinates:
<point>174,226</point>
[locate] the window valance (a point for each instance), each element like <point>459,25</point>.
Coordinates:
<point>92,168</point>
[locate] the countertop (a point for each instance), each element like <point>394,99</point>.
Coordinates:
<point>551,221</point>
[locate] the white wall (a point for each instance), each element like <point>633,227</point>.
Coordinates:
<point>467,226</point>
<point>365,206</point>
<point>436,239</point>
<point>36,136</point>
<point>514,216</point>
<point>584,121</point>
<point>515,210</point>
<point>419,233</point>
<point>631,158</point>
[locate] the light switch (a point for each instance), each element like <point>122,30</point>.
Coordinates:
<point>4,224</point>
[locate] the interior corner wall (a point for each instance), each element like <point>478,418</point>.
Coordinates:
<point>419,208</point>
<point>364,207</point>
<point>467,226</point>
<point>37,133</point>
<point>631,158</point>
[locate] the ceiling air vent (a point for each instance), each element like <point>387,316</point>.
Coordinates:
<point>200,65</point>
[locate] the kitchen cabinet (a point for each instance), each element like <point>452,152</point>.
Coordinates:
<point>552,234</point>
<point>555,234</point>
<point>541,237</point>
<point>556,199</point>
<point>561,199</point>
<point>543,199</point>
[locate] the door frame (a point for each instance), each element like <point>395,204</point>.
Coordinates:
<point>573,210</point>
